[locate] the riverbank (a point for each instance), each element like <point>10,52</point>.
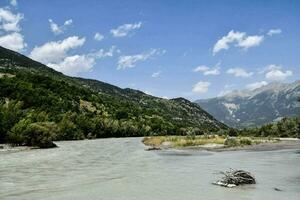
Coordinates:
<point>220,143</point>
<point>7,148</point>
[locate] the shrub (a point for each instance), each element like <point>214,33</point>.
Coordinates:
<point>231,142</point>
<point>232,132</point>
<point>245,141</point>
<point>39,134</point>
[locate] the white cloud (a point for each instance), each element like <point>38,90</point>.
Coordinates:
<point>148,92</point>
<point>239,72</point>
<point>207,70</point>
<point>10,21</point>
<point>201,87</point>
<point>156,74</point>
<point>102,53</point>
<point>98,37</point>
<point>215,71</point>
<point>240,39</point>
<point>53,52</point>
<point>224,42</point>
<point>131,60</point>
<point>14,41</point>
<point>73,65</point>
<point>56,29</point>
<point>68,64</point>
<point>274,32</point>
<point>125,29</point>
<point>250,41</point>
<point>13,2</point>
<point>253,86</point>
<point>275,73</point>
<point>201,68</point>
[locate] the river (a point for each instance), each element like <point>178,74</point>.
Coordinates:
<point>120,169</point>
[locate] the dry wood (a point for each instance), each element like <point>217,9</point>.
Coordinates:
<point>236,177</point>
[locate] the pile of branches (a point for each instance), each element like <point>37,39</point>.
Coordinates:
<point>236,177</point>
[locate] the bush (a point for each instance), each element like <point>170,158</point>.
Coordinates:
<point>232,132</point>
<point>39,134</point>
<point>245,141</point>
<point>231,142</point>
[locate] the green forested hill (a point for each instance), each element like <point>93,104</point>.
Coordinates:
<point>38,105</point>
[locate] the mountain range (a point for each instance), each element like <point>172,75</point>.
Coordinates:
<point>248,108</point>
<point>32,93</point>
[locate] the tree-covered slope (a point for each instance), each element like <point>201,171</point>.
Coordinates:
<point>38,105</point>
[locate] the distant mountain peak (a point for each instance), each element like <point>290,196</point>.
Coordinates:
<point>255,107</point>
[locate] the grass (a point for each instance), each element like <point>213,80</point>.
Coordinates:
<point>188,141</point>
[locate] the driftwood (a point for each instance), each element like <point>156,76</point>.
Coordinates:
<point>234,178</point>
<point>153,149</point>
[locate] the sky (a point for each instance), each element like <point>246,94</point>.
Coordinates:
<point>194,49</point>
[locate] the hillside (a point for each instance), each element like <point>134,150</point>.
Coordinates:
<point>257,107</point>
<point>36,100</point>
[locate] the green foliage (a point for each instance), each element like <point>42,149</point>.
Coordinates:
<point>33,95</point>
<point>10,114</point>
<point>245,141</point>
<point>39,134</point>
<point>286,127</point>
<point>232,132</point>
<point>231,142</point>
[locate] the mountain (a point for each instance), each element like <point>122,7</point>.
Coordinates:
<point>34,95</point>
<point>256,107</point>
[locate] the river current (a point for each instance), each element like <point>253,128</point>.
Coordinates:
<point>120,169</point>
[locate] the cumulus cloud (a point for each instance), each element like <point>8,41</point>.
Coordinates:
<point>156,74</point>
<point>10,21</point>
<point>201,87</point>
<point>73,65</point>
<point>125,29</point>
<point>239,72</point>
<point>56,29</point>
<point>56,55</point>
<point>253,86</point>
<point>129,61</point>
<point>13,2</point>
<point>10,24</point>
<point>55,51</point>
<point>276,73</point>
<point>208,70</point>
<point>13,41</point>
<point>274,32</point>
<point>98,37</point>
<point>250,41</point>
<point>239,39</point>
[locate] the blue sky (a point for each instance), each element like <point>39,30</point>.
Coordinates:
<point>194,49</point>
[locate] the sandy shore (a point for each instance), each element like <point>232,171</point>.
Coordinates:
<point>282,143</point>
